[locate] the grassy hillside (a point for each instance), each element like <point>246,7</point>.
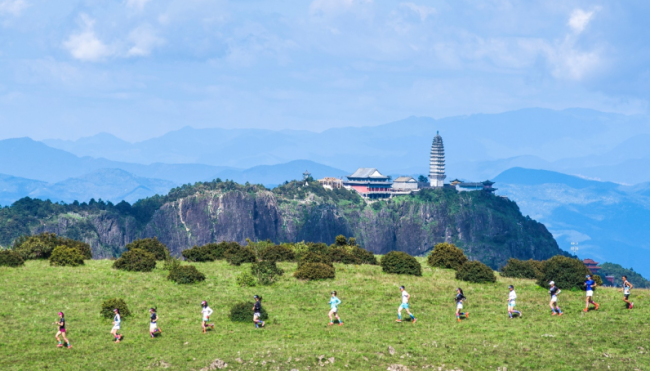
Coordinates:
<point>297,332</point>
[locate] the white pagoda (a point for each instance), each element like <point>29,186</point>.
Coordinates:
<point>437,163</point>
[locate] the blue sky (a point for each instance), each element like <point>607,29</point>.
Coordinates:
<point>140,68</point>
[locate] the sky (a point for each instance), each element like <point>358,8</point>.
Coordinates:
<point>140,68</point>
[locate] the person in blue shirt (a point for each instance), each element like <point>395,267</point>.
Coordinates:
<point>590,293</point>
<point>334,310</point>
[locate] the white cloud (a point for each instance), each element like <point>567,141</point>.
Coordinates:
<point>85,45</point>
<point>144,39</point>
<point>422,10</point>
<point>136,4</point>
<point>580,19</point>
<point>12,7</point>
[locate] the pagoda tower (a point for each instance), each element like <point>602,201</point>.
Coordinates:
<point>437,163</point>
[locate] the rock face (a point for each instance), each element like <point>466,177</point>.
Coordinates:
<point>489,228</point>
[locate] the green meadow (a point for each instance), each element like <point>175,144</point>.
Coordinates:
<point>297,335</point>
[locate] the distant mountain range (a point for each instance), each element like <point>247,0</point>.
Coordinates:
<point>610,222</point>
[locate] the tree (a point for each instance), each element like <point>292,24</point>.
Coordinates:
<point>423,179</point>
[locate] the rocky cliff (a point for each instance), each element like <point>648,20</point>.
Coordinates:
<point>489,228</point>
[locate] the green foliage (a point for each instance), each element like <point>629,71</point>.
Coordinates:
<point>218,250</point>
<point>314,271</point>
<point>611,269</point>
<point>342,255</point>
<point>376,205</point>
<point>10,258</point>
<point>300,189</point>
<point>198,254</point>
<point>516,268</point>
<point>312,257</point>
<point>266,272</point>
<point>171,263</point>
<point>365,256</point>
<point>185,274</point>
<point>136,260</point>
<point>239,255</point>
<point>299,249</point>
<point>108,306</point>
<point>476,272</point>
<point>259,246</point>
<point>340,240</point>
<point>64,256</point>
<point>245,279</point>
<point>277,253</point>
<point>243,312</point>
<point>152,245</point>
<point>398,262</point>
<point>598,280</point>
<point>447,256</point>
<point>567,273</point>
<point>318,248</point>
<point>42,245</point>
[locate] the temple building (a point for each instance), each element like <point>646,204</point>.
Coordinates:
<point>437,163</point>
<point>370,183</point>
<point>592,265</point>
<point>331,183</point>
<point>405,183</point>
<point>472,186</point>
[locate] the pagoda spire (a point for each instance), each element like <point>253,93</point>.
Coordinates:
<point>437,162</point>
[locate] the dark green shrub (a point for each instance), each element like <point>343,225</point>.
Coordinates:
<point>312,257</point>
<point>239,255</point>
<point>598,280</point>
<point>318,248</point>
<point>64,256</point>
<point>341,255</point>
<point>151,245</point>
<point>42,245</point>
<point>277,253</point>
<point>352,241</point>
<point>340,240</point>
<point>218,250</point>
<point>198,254</point>
<point>10,258</point>
<point>365,256</point>
<point>516,268</point>
<point>476,272</point>
<point>136,260</point>
<point>566,272</point>
<point>185,274</point>
<point>266,272</point>
<point>243,312</point>
<point>398,262</point>
<point>447,256</point>
<point>314,271</point>
<point>111,304</point>
<point>245,279</point>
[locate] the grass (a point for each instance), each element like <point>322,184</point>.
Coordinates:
<point>612,338</point>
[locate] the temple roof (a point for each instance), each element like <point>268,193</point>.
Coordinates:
<point>405,179</point>
<point>367,172</point>
<point>590,261</point>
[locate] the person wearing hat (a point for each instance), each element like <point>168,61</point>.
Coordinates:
<point>257,312</point>
<point>334,310</point>
<point>61,323</point>
<point>554,292</point>
<point>117,321</point>
<point>590,293</point>
<point>406,297</point>
<point>206,311</point>
<point>511,302</point>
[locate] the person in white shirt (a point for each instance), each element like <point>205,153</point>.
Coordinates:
<point>406,297</point>
<point>117,323</point>
<point>512,296</point>
<point>206,312</point>
<point>627,286</point>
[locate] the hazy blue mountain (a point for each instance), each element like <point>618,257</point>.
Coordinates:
<point>13,188</point>
<point>478,146</point>
<point>272,175</point>
<point>609,221</point>
<point>23,157</point>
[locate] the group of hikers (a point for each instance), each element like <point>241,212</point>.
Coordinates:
<point>334,302</point>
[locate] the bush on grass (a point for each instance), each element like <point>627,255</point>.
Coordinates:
<point>136,260</point>
<point>42,245</point>
<point>447,256</point>
<point>64,256</point>
<point>365,256</point>
<point>398,262</point>
<point>598,280</point>
<point>312,257</point>
<point>516,268</point>
<point>266,272</point>
<point>10,258</point>
<point>277,253</point>
<point>245,279</point>
<point>115,303</point>
<point>314,271</point>
<point>476,272</point>
<point>185,274</point>
<point>243,312</point>
<point>198,254</point>
<point>566,272</point>
<point>151,245</point>
<point>318,248</point>
<point>239,255</point>
<point>342,255</point>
